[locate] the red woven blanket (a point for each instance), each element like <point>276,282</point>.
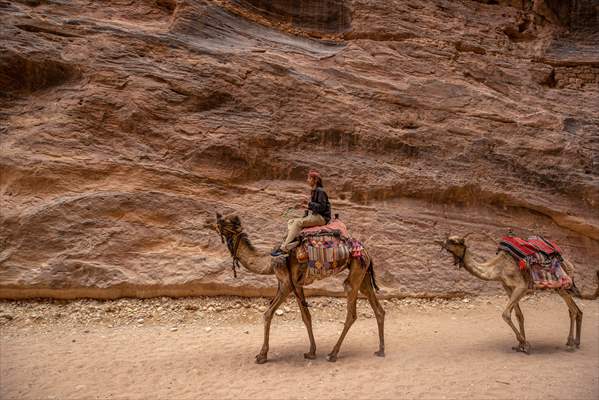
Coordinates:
<point>334,225</point>
<point>541,257</point>
<point>527,252</point>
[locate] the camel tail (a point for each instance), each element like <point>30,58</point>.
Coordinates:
<point>372,278</point>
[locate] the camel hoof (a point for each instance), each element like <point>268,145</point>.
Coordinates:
<point>310,356</point>
<point>578,345</point>
<point>261,359</point>
<point>331,358</point>
<point>570,348</point>
<point>380,353</point>
<point>523,348</point>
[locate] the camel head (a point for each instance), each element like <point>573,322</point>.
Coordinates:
<point>228,227</point>
<point>456,245</point>
<point>232,234</point>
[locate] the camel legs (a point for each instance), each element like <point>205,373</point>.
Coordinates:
<point>518,311</point>
<point>520,318</point>
<point>515,296</point>
<point>351,286</point>
<point>575,318</point>
<point>367,289</point>
<point>307,318</point>
<point>282,293</point>
<point>578,324</point>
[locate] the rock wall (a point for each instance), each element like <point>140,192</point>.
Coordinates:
<point>584,14</point>
<point>124,127</point>
<point>575,14</point>
<point>576,77</point>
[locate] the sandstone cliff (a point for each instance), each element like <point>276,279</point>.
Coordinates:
<point>125,126</point>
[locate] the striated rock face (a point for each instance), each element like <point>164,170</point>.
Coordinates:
<point>125,126</point>
<point>316,16</point>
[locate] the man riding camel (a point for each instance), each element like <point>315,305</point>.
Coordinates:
<point>317,214</point>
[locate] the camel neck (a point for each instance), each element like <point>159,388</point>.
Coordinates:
<point>254,261</point>
<point>483,271</point>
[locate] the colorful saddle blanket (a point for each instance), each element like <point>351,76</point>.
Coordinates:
<point>327,251</point>
<point>335,225</point>
<point>541,257</point>
<point>528,252</point>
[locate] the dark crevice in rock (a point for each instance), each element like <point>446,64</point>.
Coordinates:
<point>324,16</point>
<point>40,29</point>
<point>550,80</point>
<point>21,73</point>
<point>205,101</point>
<point>520,32</point>
<point>469,47</point>
<point>168,5</point>
<point>575,14</point>
<point>32,3</point>
<point>380,36</point>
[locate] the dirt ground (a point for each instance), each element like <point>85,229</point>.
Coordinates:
<point>204,348</point>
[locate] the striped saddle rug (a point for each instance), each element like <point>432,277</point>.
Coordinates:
<point>327,254</point>
<point>542,258</point>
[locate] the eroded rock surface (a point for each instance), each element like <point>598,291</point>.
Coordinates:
<point>126,125</point>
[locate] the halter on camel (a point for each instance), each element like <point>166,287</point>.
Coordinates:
<point>459,260</point>
<point>232,240</point>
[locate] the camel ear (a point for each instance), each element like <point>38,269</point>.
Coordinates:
<point>218,216</point>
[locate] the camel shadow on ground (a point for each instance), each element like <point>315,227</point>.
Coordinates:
<point>503,346</point>
<point>293,355</point>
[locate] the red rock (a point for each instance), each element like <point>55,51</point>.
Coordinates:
<point>124,128</point>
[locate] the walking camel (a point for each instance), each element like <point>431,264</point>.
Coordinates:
<point>504,269</point>
<point>292,277</point>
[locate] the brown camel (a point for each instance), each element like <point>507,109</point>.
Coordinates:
<point>503,268</point>
<point>292,277</point>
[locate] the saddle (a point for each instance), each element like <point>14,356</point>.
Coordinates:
<point>327,249</point>
<point>542,259</point>
<point>534,250</point>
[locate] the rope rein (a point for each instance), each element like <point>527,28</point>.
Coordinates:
<point>233,242</point>
<point>459,261</point>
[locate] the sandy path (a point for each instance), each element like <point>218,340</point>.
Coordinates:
<point>431,353</point>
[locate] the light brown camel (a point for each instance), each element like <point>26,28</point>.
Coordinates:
<point>503,268</point>
<point>292,277</point>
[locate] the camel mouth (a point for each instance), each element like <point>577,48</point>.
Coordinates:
<point>457,261</point>
<point>443,244</point>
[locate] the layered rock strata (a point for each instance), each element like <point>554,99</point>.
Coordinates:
<point>125,126</point>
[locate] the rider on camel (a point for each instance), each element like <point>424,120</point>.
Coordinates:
<point>317,214</point>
